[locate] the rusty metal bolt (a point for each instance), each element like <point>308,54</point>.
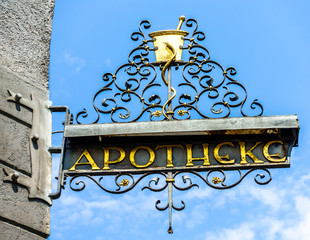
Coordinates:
<point>15,175</point>
<point>35,137</point>
<point>18,97</point>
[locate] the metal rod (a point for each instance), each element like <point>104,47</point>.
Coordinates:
<point>170,203</point>
<point>170,197</point>
<point>182,19</point>
<point>170,230</point>
<point>169,93</point>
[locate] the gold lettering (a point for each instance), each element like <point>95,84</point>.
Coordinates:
<point>249,153</point>
<point>169,152</point>
<point>107,156</point>
<point>270,156</point>
<point>190,158</point>
<point>90,161</point>
<point>132,157</point>
<point>219,158</point>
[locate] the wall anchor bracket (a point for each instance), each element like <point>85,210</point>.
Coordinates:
<point>39,184</point>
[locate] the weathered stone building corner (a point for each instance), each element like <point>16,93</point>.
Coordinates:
<point>25,34</point>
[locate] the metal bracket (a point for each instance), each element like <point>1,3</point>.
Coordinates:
<point>39,184</point>
<point>59,150</point>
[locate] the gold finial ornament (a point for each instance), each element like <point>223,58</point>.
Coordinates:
<point>173,37</point>
<point>182,19</point>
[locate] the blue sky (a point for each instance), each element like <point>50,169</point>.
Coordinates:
<point>266,41</point>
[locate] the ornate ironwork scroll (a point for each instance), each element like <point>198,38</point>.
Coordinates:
<point>214,178</point>
<point>125,182</point>
<point>205,89</point>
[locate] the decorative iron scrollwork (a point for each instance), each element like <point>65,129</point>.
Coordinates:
<point>169,180</point>
<point>196,88</point>
<point>125,185</point>
<point>205,89</point>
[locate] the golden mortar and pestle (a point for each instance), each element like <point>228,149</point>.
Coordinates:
<point>168,45</point>
<point>173,38</point>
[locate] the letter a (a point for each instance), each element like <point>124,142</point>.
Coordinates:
<point>90,161</point>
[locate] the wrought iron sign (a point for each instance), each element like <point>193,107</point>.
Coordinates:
<point>162,115</point>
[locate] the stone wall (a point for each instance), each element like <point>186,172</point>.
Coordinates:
<point>25,32</point>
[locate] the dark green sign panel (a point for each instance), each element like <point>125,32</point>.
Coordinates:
<point>232,149</point>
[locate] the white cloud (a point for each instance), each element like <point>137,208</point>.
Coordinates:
<point>305,178</point>
<point>300,227</point>
<point>279,210</point>
<point>108,62</point>
<point>243,232</point>
<point>197,193</point>
<point>272,196</point>
<point>282,212</point>
<point>77,62</point>
<point>198,216</point>
<point>225,197</point>
<point>272,227</point>
<point>87,210</point>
